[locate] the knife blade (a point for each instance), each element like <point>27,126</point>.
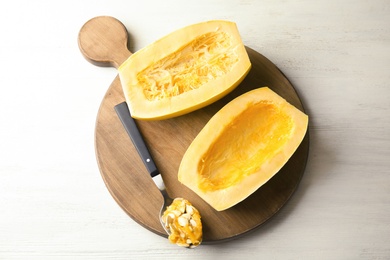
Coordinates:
<point>136,137</point>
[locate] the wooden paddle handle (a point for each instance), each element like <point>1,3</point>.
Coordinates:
<point>103,41</point>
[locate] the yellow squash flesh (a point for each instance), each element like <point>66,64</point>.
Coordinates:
<point>242,147</point>
<point>184,71</point>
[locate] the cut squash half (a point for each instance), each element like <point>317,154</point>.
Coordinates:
<point>184,71</point>
<point>242,147</point>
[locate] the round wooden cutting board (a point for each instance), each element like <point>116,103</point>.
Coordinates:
<point>102,40</point>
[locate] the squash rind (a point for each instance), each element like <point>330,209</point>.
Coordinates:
<point>224,198</point>
<point>144,109</point>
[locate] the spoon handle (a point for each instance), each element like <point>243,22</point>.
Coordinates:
<point>130,125</point>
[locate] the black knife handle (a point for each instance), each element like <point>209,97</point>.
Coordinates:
<point>130,125</point>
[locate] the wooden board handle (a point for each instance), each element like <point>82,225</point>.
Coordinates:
<point>103,41</point>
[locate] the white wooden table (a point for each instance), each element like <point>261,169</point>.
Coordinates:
<point>53,201</point>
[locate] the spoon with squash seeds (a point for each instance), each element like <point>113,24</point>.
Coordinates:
<point>178,217</point>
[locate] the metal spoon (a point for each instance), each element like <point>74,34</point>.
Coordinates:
<point>168,206</point>
<point>128,122</point>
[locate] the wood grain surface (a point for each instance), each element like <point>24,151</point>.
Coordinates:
<point>124,173</point>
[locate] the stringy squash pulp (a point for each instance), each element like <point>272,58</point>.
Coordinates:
<point>242,147</point>
<point>184,71</point>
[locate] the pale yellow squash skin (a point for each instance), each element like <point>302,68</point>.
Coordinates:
<point>142,108</point>
<point>245,163</point>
